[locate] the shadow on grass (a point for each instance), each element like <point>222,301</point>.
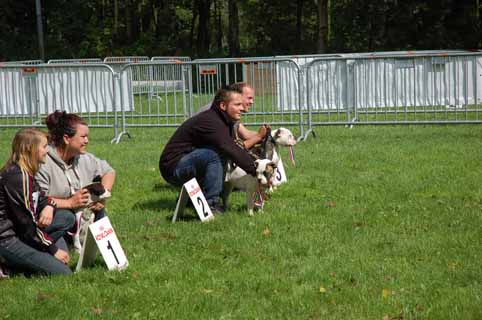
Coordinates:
<point>166,204</point>
<point>165,187</point>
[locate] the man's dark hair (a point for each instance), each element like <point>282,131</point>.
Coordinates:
<point>224,94</point>
<point>239,86</point>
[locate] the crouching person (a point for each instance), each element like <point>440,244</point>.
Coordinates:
<point>68,168</point>
<point>25,247</point>
<point>201,146</point>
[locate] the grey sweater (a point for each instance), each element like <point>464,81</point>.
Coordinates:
<point>58,179</point>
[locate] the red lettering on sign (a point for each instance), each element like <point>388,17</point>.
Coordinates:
<point>103,234</point>
<point>193,192</point>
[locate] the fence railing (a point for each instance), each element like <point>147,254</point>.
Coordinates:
<point>391,89</point>
<point>298,91</point>
<point>27,93</point>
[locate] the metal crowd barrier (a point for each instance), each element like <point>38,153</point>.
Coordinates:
<point>70,61</point>
<point>304,91</point>
<point>395,89</point>
<point>27,62</point>
<point>171,95</point>
<point>28,93</point>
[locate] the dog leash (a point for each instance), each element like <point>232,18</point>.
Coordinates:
<point>292,156</point>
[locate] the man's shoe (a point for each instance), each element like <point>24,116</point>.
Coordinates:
<point>217,209</point>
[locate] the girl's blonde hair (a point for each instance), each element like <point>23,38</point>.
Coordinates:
<point>25,146</point>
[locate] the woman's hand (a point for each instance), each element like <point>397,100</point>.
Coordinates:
<point>97,206</point>
<point>46,217</point>
<point>79,199</point>
<point>62,255</point>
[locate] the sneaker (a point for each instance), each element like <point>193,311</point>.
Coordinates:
<point>4,272</point>
<point>217,209</point>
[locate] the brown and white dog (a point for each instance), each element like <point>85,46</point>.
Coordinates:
<point>253,186</point>
<point>267,149</point>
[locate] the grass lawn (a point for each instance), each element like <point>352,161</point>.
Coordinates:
<point>375,223</point>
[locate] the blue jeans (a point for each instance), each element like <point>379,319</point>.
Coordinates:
<point>206,165</point>
<point>22,258</point>
<point>62,222</point>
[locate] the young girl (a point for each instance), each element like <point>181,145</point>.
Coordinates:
<point>24,246</point>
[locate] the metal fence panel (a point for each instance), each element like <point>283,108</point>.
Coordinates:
<point>71,61</point>
<point>158,94</point>
<point>416,88</point>
<point>171,92</point>
<point>270,77</point>
<point>27,94</point>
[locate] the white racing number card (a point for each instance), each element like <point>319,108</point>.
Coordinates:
<point>101,236</point>
<point>192,191</point>
<point>280,174</point>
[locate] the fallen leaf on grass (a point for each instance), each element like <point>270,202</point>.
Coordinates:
<point>266,232</point>
<point>42,296</point>
<point>386,293</point>
<point>207,290</point>
<point>96,310</point>
<point>452,265</point>
<point>322,289</point>
<point>330,204</point>
<point>389,317</point>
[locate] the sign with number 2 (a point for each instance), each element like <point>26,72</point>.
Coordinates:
<point>191,190</point>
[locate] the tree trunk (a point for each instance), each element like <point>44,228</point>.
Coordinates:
<point>219,28</point>
<point>322,34</point>
<point>116,16</point>
<point>299,23</point>
<point>128,17</point>
<point>193,26</point>
<point>203,39</point>
<point>233,30</point>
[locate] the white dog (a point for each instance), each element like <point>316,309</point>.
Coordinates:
<point>267,149</point>
<point>239,179</point>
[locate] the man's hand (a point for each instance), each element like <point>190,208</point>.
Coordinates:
<point>79,199</point>
<point>62,255</point>
<point>263,131</point>
<point>46,217</point>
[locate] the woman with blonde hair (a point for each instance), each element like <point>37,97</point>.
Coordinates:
<point>29,226</point>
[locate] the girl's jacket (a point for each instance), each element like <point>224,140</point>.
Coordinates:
<point>20,206</point>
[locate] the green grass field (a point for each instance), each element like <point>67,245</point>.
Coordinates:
<point>375,223</point>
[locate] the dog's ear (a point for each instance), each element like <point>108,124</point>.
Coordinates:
<point>277,133</point>
<point>256,163</point>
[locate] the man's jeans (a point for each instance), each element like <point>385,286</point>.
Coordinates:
<point>206,165</point>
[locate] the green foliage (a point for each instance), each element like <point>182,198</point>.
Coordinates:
<point>375,223</point>
<point>99,28</point>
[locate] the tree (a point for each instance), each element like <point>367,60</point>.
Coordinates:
<point>322,34</point>
<point>203,36</point>
<point>299,22</point>
<point>233,29</point>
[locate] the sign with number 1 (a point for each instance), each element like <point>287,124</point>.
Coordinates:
<point>192,191</point>
<point>101,235</point>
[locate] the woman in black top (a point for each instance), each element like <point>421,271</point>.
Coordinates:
<point>25,247</point>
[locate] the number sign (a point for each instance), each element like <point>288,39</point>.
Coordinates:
<point>191,191</point>
<point>101,236</point>
<point>280,174</point>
